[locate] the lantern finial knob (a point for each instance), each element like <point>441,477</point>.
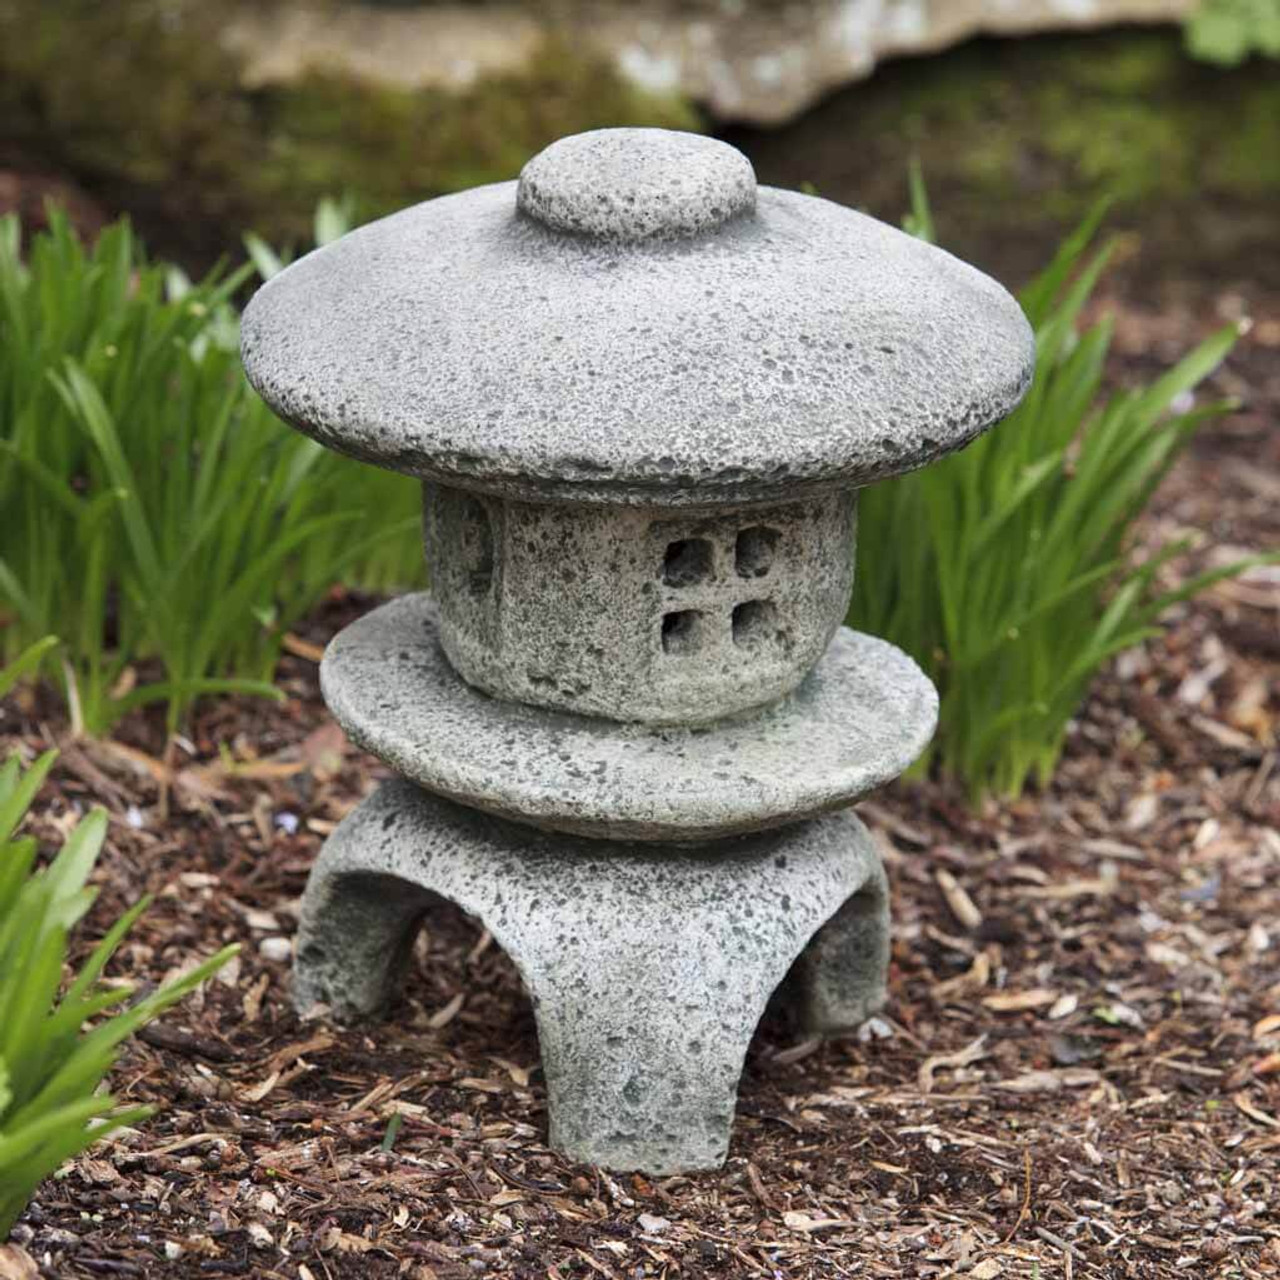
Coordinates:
<point>626,186</point>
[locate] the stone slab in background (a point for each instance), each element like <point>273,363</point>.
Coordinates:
<point>755,61</point>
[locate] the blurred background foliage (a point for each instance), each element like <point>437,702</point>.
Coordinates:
<point>152,109</point>
<point>1226,32</point>
<point>143,102</point>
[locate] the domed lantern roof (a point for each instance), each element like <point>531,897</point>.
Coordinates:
<point>636,321</point>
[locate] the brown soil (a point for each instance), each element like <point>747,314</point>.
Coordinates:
<point>29,192</point>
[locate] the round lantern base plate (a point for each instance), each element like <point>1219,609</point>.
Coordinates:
<point>859,719</point>
<point>648,972</point>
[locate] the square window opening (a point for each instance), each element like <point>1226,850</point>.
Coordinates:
<point>687,562</point>
<point>754,551</point>
<point>682,632</point>
<point>755,622</point>
<point>475,545</point>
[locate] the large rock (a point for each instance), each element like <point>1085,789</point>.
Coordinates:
<point>154,107</point>
<point>758,61</point>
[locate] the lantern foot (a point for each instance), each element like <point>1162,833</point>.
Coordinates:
<point>648,966</point>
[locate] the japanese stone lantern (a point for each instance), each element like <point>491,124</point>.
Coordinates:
<point>641,393</point>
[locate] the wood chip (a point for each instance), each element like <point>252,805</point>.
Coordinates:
<point>292,1052</point>
<point>960,904</point>
<point>334,1239</point>
<point>758,1188</point>
<point>257,1092</point>
<point>252,1002</point>
<point>1224,736</point>
<point>442,1017</point>
<point>1245,1107</point>
<point>972,980</point>
<point>950,1061</point>
<point>1098,887</point>
<point>1064,1006</point>
<point>1050,1081</point>
<point>17,1264</point>
<point>797,1052</point>
<point>519,1075</point>
<point>301,648</point>
<point>802,1222</point>
<point>185,1144</point>
<point>1019,1001</point>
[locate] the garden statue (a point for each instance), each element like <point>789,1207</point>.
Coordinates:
<point>641,393</point>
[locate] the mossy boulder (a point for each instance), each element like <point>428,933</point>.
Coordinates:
<point>1019,139</point>
<point>151,107</point>
<point>146,104</point>
<point>751,61</point>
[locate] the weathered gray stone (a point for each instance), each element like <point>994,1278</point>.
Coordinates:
<point>754,60</point>
<point>860,718</point>
<point>638,614</point>
<point>602,185</point>
<point>647,974</point>
<point>641,395</point>
<point>795,347</point>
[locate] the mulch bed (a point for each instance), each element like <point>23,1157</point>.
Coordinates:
<point>1078,1072</point>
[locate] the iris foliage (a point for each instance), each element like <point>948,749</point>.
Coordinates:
<point>157,517</point>
<point>58,1040</point>
<point>1007,570</point>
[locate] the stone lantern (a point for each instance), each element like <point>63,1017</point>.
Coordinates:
<point>641,393</point>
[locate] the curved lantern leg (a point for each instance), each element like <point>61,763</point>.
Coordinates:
<point>648,968</point>
<point>840,976</point>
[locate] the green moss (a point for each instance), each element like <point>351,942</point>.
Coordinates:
<point>1125,114</point>
<point>1226,32</point>
<point>1124,63</point>
<point>1019,138</point>
<point>1246,161</point>
<point>1121,145</point>
<point>139,98</point>
<point>1142,122</point>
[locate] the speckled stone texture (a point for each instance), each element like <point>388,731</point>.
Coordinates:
<point>647,974</point>
<point>795,346</point>
<point>649,615</point>
<point>860,718</point>
<point>641,393</point>
<point>629,185</point>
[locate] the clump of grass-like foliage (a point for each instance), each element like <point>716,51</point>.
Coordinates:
<point>1005,570</point>
<point>156,515</point>
<point>56,1049</point>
